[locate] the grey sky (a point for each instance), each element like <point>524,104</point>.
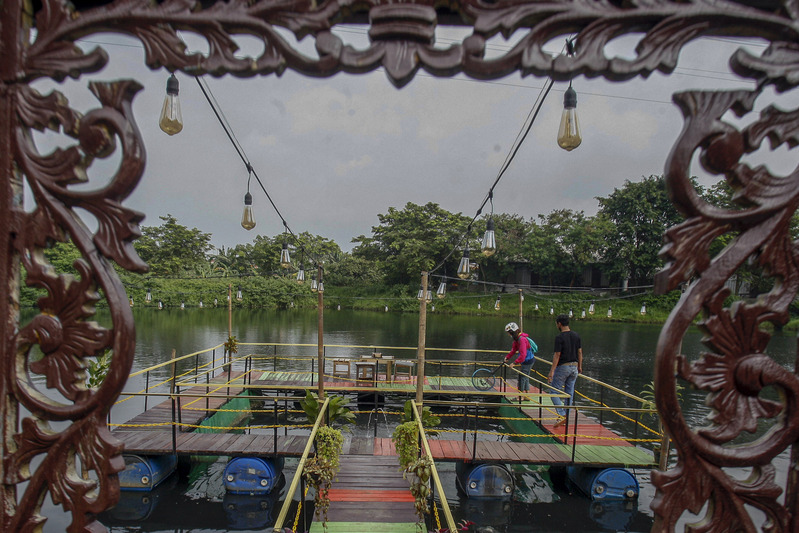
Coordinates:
<point>333,153</point>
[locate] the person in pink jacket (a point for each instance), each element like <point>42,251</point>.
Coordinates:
<point>521,345</point>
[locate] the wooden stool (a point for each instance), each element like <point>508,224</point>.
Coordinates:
<point>366,371</point>
<point>341,368</point>
<point>403,368</point>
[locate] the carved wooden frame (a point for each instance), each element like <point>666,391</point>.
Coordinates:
<point>78,465</point>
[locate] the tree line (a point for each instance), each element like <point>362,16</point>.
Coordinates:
<point>622,241</point>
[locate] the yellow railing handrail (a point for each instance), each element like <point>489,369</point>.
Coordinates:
<point>165,363</point>
<point>284,511</point>
<point>434,471</point>
<point>381,347</point>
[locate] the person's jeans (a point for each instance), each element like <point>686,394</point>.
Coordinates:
<point>563,380</point>
<point>524,381</point>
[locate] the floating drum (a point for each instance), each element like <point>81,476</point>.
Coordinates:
<point>144,472</point>
<point>252,475</point>
<point>488,480</point>
<point>604,483</point>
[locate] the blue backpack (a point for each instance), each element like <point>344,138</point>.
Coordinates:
<point>532,348</point>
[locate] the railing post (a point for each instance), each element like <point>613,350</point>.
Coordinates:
<point>172,396</point>
<point>574,438</point>
<point>146,388</point>
<point>474,438</point>
<point>602,403</point>
<point>274,358</point>
<point>196,366</point>
<point>275,428</point>
<point>207,398</point>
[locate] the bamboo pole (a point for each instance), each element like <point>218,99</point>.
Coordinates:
<point>320,348</point>
<point>422,336</point>
<point>521,310</point>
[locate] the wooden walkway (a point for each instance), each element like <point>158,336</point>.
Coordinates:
<point>233,444</point>
<point>596,445</point>
<point>369,494</point>
<point>192,411</point>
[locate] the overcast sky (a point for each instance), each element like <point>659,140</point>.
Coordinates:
<point>333,153</point>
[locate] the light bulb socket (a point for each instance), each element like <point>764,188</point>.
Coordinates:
<point>570,98</point>
<point>172,85</point>
<point>248,198</point>
<point>490,224</point>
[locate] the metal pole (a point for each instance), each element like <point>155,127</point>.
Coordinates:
<point>421,347</point>
<point>320,346</point>
<point>172,393</point>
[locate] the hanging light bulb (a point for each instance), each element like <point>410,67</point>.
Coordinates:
<point>338,307</point>
<point>314,286</point>
<point>479,306</point>
<point>489,239</point>
<point>571,314</point>
<point>247,220</point>
<point>183,305</point>
<point>536,306</point>
<point>643,309</point>
<point>497,304</point>
<point>292,304</point>
<point>216,301</point>
<point>420,294</point>
<point>171,120</point>
<point>569,132</point>
<point>238,294</point>
<point>285,260</point>
<point>551,310</point>
<point>320,286</point>
<point>441,293</point>
<point>160,304</point>
<point>386,309</point>
<point>131,302</point>
<point>591,309</point>
<point>201,303</point>
<point>610,312</point>
<point>464,268</point>
<point>583,316</point>
<point>429,296</point>
<point>433,307</point>
<point>149,297</point>
<point>301,274</point>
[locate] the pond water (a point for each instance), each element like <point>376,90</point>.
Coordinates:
<point>621,355</point>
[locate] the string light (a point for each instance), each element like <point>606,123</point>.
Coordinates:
<point>610,312</point>
<point>239,296</point>
<point>149,297</point>
<point>591,309</point>
<point>301,274</point>
<point>497,305</point>
<point>643,309</point>
<point>441,293</point>
<point>583,315</point>
<point>171,119</point>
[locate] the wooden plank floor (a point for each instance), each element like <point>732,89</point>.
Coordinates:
<point>159,417</point>
<point>222,444</point>
<point>370,488</point>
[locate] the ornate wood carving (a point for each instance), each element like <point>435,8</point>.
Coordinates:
<point>402,40</point>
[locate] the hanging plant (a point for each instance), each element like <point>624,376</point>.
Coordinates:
<point>414,468</point>
<point>231,345</point>
<point>321,470</point>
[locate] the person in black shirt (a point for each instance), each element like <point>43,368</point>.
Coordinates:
<point>567,364</point>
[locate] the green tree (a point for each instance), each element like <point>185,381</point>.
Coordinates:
<point>639,214</point>
<point>171,248</point>
<point>305,249</point>
<point>411,240</point>
<point>512,233</point>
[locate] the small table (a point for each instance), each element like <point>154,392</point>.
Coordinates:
<point>389,365</point>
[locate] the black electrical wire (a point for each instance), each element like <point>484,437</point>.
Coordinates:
<point>250,170</point>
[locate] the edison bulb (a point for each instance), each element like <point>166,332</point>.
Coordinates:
<point>171,120</point>
<point>489,246</point>
<point>569,136</point>
<point>247,220</point>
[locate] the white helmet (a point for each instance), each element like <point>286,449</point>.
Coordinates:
<point>512,326</point>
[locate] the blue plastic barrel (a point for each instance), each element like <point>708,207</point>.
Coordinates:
<point>252,475</point>
<point>145,472</point>
<point>487,480</point>
<point>604,483</point>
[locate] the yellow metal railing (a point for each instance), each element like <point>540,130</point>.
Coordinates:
<point>433,471</point>
<point>284,511</point>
